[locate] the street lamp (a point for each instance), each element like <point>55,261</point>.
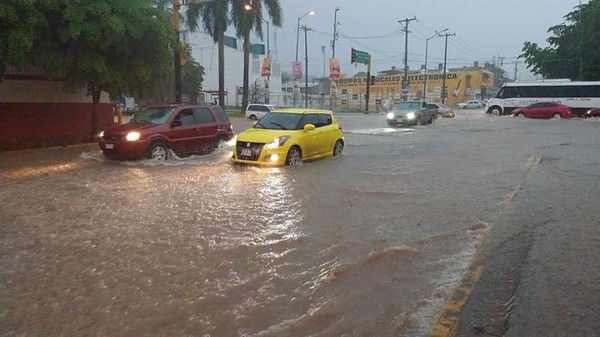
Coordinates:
<point>426,47</point>
<point>298,30</point>
<point>268,37</point>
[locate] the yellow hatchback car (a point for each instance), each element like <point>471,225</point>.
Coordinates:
<point>289,137</point>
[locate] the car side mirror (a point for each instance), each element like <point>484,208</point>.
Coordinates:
<point>309,127</point>
<point>176,123</point>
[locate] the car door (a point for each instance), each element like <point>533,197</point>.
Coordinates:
<point>436,109</point>
<point>328,133</point>
<point>311,139</point>
<point>182,131</point>
<point>207,128</point>
<point>537,110</point>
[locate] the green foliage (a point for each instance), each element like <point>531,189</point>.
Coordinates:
<point>573,50</point>
<point>19,22</point>
<point>192,76</point>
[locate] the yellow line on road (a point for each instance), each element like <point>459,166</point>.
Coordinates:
<point>446,323</point>
<point>451,312</point>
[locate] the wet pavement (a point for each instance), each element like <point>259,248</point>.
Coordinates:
<point>372,243</point>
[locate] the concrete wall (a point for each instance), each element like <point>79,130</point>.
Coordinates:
<point>35,112</point>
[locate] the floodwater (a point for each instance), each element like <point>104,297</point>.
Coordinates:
<point>371,243</point>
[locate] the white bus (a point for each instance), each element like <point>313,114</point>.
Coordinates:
<point>579,96</point>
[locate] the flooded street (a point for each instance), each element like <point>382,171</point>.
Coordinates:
<point>371,243</point>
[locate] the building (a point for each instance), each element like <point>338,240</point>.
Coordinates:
<point>461,83</point>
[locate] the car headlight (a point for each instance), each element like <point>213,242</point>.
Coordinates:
<point>232,141</point>
<point>133,136</point>
<point>277,142</point>
<point>410,115</point>
<point>390,115</point>
<point>101,134</point>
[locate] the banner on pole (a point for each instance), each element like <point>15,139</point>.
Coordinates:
<point>266,67</point>
<point>297,69</point>
<point>334,69</point>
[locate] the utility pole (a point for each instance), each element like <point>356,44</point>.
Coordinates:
<point>444,91</point>
<point>516,63</point>
<point>406,31</point>
<point>177,52</point>
<point>335,24</point>
<point>306,29</point>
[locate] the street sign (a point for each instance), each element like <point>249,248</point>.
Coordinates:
<point>359,56</point>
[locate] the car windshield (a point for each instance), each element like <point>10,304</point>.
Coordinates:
<point>153,115</point>
<point>279,121</point>
<point>402,106</point>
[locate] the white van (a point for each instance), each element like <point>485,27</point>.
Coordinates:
<point>257,111</point>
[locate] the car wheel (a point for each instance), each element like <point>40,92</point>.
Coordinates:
<point>419,121</point>
<point>521,115</point>
<point>294,156</point>
<point>220,143</point>
<point>495,110</point>
<point>557,116</point>
<point>338,147</point>
<point>253,117</point>
<point>159,151</point>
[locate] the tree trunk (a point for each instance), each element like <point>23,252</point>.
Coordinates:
<point>246,68</point>
<point>96,92</point>
<point>221,48</point>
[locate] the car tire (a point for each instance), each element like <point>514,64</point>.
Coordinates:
<point>338,147</point>
<point>557,116</point>
<point>521,115</point>
<point>220,143</point>
<point>496,110</point>
<point>419,121</point>
<point>294,156</point>
<point>158,151</point>
<point>253,117</point>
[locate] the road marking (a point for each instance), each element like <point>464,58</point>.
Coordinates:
<point>446,323</point>
<point>451,312</point>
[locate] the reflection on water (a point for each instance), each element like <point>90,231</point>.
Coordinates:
<point>367,244</point>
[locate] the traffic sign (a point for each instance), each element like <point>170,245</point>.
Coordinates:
<point>359,56</point>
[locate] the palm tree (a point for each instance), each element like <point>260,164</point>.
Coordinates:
<point>214,17</point>
<point>247,16</point>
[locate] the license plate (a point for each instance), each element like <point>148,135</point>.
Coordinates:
<point>109,146</point>
<point>246,152</point>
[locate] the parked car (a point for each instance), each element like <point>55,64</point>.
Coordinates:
<point>471,104</point>
<point>153,132</point>
<point>592,113</point>
<point>543,110</point>
<point>289,137</point>
<point>411,113</point>
<point>257,111</point>
<point>442,110</point>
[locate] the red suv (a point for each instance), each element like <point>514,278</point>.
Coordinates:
<point>153,132</point>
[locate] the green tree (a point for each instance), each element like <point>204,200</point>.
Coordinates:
<point>105,45</point>
<point>215,19</point>
<point>192,75</point>
<point>19,22</point>
<point>573,50</point>
<point>247,16</point>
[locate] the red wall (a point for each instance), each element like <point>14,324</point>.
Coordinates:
<point>27,125</point>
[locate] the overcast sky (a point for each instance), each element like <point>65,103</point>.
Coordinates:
<point>484,29</point>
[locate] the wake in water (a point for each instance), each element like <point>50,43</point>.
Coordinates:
<point>219,156</point>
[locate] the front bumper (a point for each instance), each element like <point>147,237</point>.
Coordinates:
<point>123,149</point>
<point>401,121</point>
<point>258,154</point>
